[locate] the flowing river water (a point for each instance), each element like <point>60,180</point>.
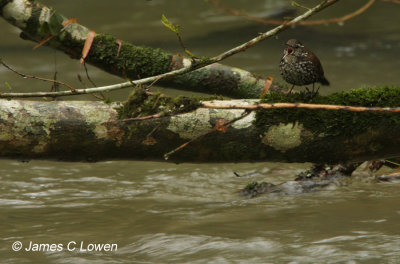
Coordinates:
<point>160,212</point>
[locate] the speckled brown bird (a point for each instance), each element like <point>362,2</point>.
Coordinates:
<point>299,66</point>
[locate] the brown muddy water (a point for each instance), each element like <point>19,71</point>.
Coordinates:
<point>159,212</point>
<point>190,213</point>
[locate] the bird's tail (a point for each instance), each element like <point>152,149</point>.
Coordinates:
<point>324,81</point>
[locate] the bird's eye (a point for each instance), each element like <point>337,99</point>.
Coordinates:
<point>289,50</point>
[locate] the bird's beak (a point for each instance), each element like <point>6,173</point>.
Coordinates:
<point>287,51</point>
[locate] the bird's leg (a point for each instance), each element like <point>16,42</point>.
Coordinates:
<point>312,92</point>
<point>291,89</point>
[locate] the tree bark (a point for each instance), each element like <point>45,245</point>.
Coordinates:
<point>81,130</point>
<point>134,62</point>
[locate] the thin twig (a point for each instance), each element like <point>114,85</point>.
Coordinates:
<point>72,89</point>
<point>141,118</point>
<point>259,106</point>
<point>154,130</point>
<point>158,115</point>
<point>184,47</point>
<point>298,5</point>
<point>78,75</point>
<point>302,105</point>
<point>149,140</point>
<point>193,66</point>
<point>392,162</point>
<point>55,86</point>
<point>87,75</point>
<point>101,95</point>
<point>228,10</point>
<point>167,155</point>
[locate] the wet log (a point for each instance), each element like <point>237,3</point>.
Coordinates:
<point>91,131</point>
<point>124,59</point>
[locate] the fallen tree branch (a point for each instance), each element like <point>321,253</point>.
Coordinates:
<point>82,130</point>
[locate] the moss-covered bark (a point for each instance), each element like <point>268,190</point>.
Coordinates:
<point>134,62</point>
<point>142,104</point>
<point>333,136</point>
<point>94,130</point>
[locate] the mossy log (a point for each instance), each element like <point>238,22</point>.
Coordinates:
<point>124,59</point>
<point>81,130</point>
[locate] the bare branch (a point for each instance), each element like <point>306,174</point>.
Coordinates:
<point>72,89</point>
<point>302,105</point>
<point>231,11</point>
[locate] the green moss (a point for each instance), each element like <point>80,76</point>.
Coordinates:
<point>333,123</point>
<point>140,104</point>
<point>132,61</point>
